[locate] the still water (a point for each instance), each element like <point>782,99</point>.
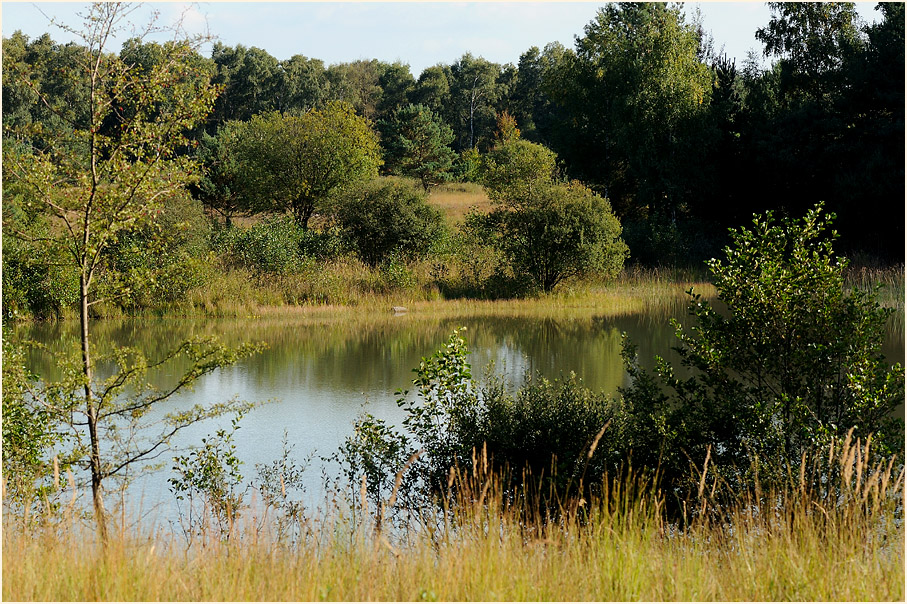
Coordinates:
<point>316,377</point>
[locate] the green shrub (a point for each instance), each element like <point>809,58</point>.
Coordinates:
<point>29,433</point>
<point>325,244</point>
<point>548,429</point>
<point>557,232</point>
<point>388,217</point>
<point>162,260</point>
<point>269,247</point>
<point>36,282</point>
<point>467,166</point>
<point>793,362</point>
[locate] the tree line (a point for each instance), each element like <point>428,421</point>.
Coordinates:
<point>682,141</point>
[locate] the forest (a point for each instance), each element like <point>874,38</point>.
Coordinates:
<point>679,141</point>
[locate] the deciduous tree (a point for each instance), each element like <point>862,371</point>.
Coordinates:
<point>293,163</point>
<point>100,178</point>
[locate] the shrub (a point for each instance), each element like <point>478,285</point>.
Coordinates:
<point>36,282</point>
<point>388,216</point>
<point>29,434</point>
<point>547,230</point>
<point>514,168</point>
<point>792,363</point>
<point>271,246</point>
<point>549,429</point>
<point>163,259</point>
<point>467,166</point>
<point>558,232</point>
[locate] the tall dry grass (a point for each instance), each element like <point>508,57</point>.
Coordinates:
<point>790,543</point>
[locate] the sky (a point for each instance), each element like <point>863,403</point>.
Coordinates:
<point>419,34</point>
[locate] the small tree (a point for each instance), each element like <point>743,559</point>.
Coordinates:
<point>794,361</point>
<point>416,144</point>
<point>547,230</point>
<point>293,163</point>
<point>388,216</point>
<point>223,184</point>
<point>103,176</point>
<point>560,231</point>
<point>515,168</point>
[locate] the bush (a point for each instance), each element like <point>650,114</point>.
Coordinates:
<point>558,232</point>
<point>388,217</point>
<point>36,280</point>
<point>269,247</point>
<point>547,230</point>
<point>467,166</point>
<point>548,429</point>
<point>161,260</point>
<point>792,363</point>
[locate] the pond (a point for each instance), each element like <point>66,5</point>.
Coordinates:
<point>317,376</point>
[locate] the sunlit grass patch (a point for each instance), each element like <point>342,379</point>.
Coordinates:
<point>455,200</point>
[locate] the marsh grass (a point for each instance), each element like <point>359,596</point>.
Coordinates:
<point>792,543</point>
<point>347,286</point>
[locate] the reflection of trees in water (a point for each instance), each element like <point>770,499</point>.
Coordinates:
<point>380,352</point>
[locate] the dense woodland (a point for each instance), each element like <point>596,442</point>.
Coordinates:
<point>644,109</point>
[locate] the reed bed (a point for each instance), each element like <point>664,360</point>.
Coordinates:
<point>792,543</point>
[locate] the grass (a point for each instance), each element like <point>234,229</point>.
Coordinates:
<point>617,547</point>
<point>456,199</point>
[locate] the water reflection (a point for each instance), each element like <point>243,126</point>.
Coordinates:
<point>318,375</point>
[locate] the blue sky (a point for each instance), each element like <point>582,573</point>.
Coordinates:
<point>417,33</point>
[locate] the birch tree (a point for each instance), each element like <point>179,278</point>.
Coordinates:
<point>104,174</point>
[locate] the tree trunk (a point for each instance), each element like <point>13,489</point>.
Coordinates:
<point>91,412</point>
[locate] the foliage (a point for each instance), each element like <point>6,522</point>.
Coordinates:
<point>30,432</point>
<point>37,282</point>
<point>416,144</point>
<point>543,439</point>
<point>813,41</point>
<point>467,166</point>
<point>515,169</point>
<point>792,363</point>
<point>281,483</point>
<point>101,177</point>
<point>223,185</point>
<point>553,439</point>
<point>373,456</point>
<point>211,472</point>
<point>161,260</point>
<point>475,89</point>
<point>548,232</point>
<point>388,216</point>
<point>268,247</point>
<point>564,231</point>
<point>293,163</point>
<point>637,95</point>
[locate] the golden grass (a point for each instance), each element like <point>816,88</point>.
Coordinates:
<point>455,200</point>
<point>618,547</point>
